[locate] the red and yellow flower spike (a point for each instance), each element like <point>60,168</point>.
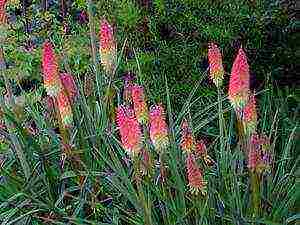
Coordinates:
<point>70,86</point>
<point>239,84</point>
<point>108,47</point>
<point>51,78</point>
<point>187,140</point>
<point>130,130</point>
<point>250,116</point>
<point>216,69</point>
<point>139,104</point>
<point>2,12</point>
<point>195,176</point>
<point>64,108</point>
<point>158,128</point>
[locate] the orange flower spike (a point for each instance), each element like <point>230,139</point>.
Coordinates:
<point>201,150</point>
<point>108,47</point>
<point>250,116</point>
<point>65,109</point>
<point>139,103</point>
<point>129,129</point>
<point>195,176</point>
<point>158,128</point>
<point>51,78</point>
<point>216,69</point>
<point>187,140</point>
<point>239,83</point>
<point>69,85</point>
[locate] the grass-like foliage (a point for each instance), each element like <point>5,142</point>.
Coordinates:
<point>100,150</point>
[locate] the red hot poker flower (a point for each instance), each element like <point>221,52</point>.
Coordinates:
<point>65,108</point>
<point>129,129</point>
<point>158,128</point>
<point>250,116</point>
<point>51,78</point>
<point>2,4</point>
<point>108,47</point>
<point>239,83</point>
<point>2,12</point>
<point>187,140</point>
<point>139,103</point>
<point>195,176</point>
<point>216,69</point>
<point>69,85</point>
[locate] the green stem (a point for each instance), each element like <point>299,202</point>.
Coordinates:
<point>221,127</point>
<point>94,48</point>
<point>145,206</point>
<point>13,137</point>
<point>255,193</point>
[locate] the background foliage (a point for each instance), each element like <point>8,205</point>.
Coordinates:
<point>167,37</point>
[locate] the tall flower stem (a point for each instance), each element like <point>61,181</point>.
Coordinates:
<point>240,128</point>
<point>221,127</point>
<point>255,193</point>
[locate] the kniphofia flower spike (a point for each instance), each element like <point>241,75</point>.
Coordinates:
<point>108,47</point>
<point>187,140</point>
<point>195,176</point>
<point>216,69</point>
<point>239,84</point>
<point>65,109</point>
<point>250,116</point>
<point>158,128</point>
<point>129,129</point>
<point>51,78</point>
<point>69,86</point>
<point>139,104</point>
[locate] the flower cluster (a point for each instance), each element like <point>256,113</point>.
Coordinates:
<point>259,154</point>
<point>216,69</point>
<point>61,87</point>
<point>2,11</point>
<point>250,116</point>
<point>108,47</point>
<point>134,115</point>
<point>70,86</point>
<point>129,129</point>
<point>187,140</point>
<point>158,128</point>
<point>139,104</point>
<point>65,108</point>
<point>194,148</point>
<point>195,176</point>
<point>242,100</point>
<point>50,68</point>
<point>239,84</point>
